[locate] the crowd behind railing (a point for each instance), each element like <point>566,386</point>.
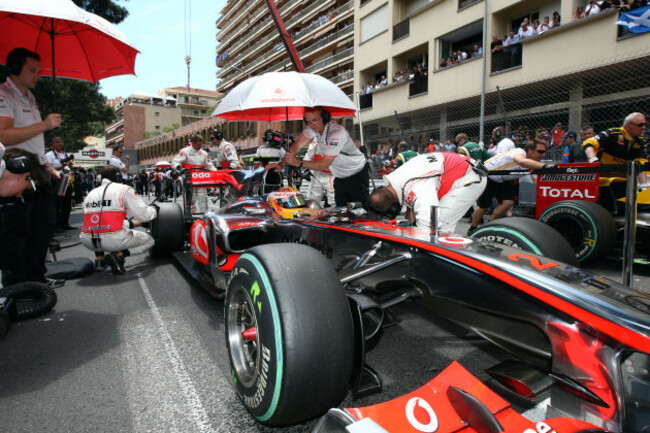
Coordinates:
<point>418,73</point>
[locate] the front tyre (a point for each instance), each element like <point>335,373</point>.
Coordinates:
<point>289,333</point>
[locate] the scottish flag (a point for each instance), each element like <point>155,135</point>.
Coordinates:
<point>637,21</point>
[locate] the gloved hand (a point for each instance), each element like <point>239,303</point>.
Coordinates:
<point>593,159</point>
<point>550,166</point>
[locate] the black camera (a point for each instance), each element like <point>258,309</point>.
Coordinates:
<point>67,159</point>
<point>273,138</point>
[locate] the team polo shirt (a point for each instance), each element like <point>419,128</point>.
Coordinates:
<point>117,162</point>
<point>335,141</point>
<point>24,111</point>
<point>504,161</point>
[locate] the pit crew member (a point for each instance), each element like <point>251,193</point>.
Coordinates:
<point>404,153</point>
<point>502,186</point>
<point>471,149</point>
<point>105,225</point>
<point>447,180</point>
<point>226,153</point>
<point>115,160</point>
<point>193,157</point>
<point>271,148</point>
<point>340,156</point>
<point>27,222</point>
<point>19,171</point>
<point>320,182</point>
<point>619,145</point>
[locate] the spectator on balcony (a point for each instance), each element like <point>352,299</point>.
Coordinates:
<point>556,19</point>
<point>462,55</point>
<point>525,31</point>
<point>593,8</point>
<point>545,25</point>
<point>495,48</point>
<point>478,51</point>
<point>535,27</point>
<point>443,63</point>
<point>383,81</point>
<point>579,13</point>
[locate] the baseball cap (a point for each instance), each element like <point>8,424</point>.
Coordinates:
<point>570,134</point>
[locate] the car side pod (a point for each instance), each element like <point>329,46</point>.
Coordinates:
<point>524,380</point>
<point>454,401</point>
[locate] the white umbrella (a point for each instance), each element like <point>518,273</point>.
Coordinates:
<point>162,164</point>
<point>283,96</point>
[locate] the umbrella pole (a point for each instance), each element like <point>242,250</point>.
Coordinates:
<point>53,66</point>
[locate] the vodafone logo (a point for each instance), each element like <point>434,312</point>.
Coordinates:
<point>425,420</point>
<point>201,175</point>
<point>94,219</point>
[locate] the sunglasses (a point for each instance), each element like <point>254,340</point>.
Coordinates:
<point>541,151</point>
<point>640,125</point>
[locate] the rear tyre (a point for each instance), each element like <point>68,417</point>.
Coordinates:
<point>30,300</point>
<point>167,230</point>
<point>587,226</point>
<point>528,235</point>
<point>289,333</point>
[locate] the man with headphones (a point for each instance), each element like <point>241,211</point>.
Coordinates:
<point>19,171</point>
<point>340,155</point>
<point>27,223</point>
<point>503,143</point>
<point>105,225</point>
<point>226,153</point>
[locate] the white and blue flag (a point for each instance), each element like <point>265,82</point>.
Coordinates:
<point>637,20</point>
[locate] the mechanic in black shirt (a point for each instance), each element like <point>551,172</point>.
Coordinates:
<point>619,145</point>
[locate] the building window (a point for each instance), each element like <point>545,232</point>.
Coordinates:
<point>374,23</point>
<point>458,46</point>
<point>157,127</point>
<point>157,114</point>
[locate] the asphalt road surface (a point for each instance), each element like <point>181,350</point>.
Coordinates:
<point>145,352</point>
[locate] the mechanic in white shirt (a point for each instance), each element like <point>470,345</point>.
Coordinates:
<point>115,160</point>
<point>226,153</point>
<point>193,157</point>
<point>340,156</point>
<point>449,181</point>
<point>105,226</point>
<point>501,186</point>
<point>321,182</point>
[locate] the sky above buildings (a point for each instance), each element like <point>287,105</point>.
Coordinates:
<point>157,29</point>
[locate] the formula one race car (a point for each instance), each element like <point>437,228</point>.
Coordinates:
<point>583,207</point>
<point>305,289</point>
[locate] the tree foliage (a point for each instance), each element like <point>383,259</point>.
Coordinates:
<point>104,8</point>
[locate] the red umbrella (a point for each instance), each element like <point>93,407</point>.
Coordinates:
<point>72,43</point>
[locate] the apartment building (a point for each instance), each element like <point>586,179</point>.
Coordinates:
<point>140,116</point>
<point>581,71</point>
<point>249,44</point>
<point>195,104</point>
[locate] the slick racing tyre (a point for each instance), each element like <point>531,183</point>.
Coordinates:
<point>587,226</point>
<point>29,299</point>
<point>528,235</point>
<point>289,333</point>
<point>167,230</point>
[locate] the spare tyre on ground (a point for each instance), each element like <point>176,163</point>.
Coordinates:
<point>528,235</point>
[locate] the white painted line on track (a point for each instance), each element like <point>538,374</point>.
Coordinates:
<point>193,399</point>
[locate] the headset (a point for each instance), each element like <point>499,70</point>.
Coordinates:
<point>273,138</point>
<point>19,164</point>
<point>497,132</point>
<point>325,115</point>
<point>218,134</point>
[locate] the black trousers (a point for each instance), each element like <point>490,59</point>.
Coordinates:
<point>25,234</point>
<point>352,188</point>
<point>63,205</point>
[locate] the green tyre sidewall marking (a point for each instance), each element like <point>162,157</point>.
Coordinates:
<point>266,292</point>
<point>513,235</point>
<point>582,215</point>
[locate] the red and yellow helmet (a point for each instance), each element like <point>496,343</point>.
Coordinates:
<point>286,201</point>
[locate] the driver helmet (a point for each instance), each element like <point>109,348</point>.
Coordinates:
<point>273,138</point>
<point>286,201</point>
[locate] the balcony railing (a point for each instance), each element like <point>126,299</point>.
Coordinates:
<point>401,29</point>
<point>330,60</point>
<point>508,57</point>
<point>365,101</point>
<point>418,85</point>
<point>326,40</point>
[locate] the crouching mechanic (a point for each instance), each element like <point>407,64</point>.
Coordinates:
<point>226,153</point>
<point>449,181</point>
<point>105,225</point>
<point>193,157</point>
